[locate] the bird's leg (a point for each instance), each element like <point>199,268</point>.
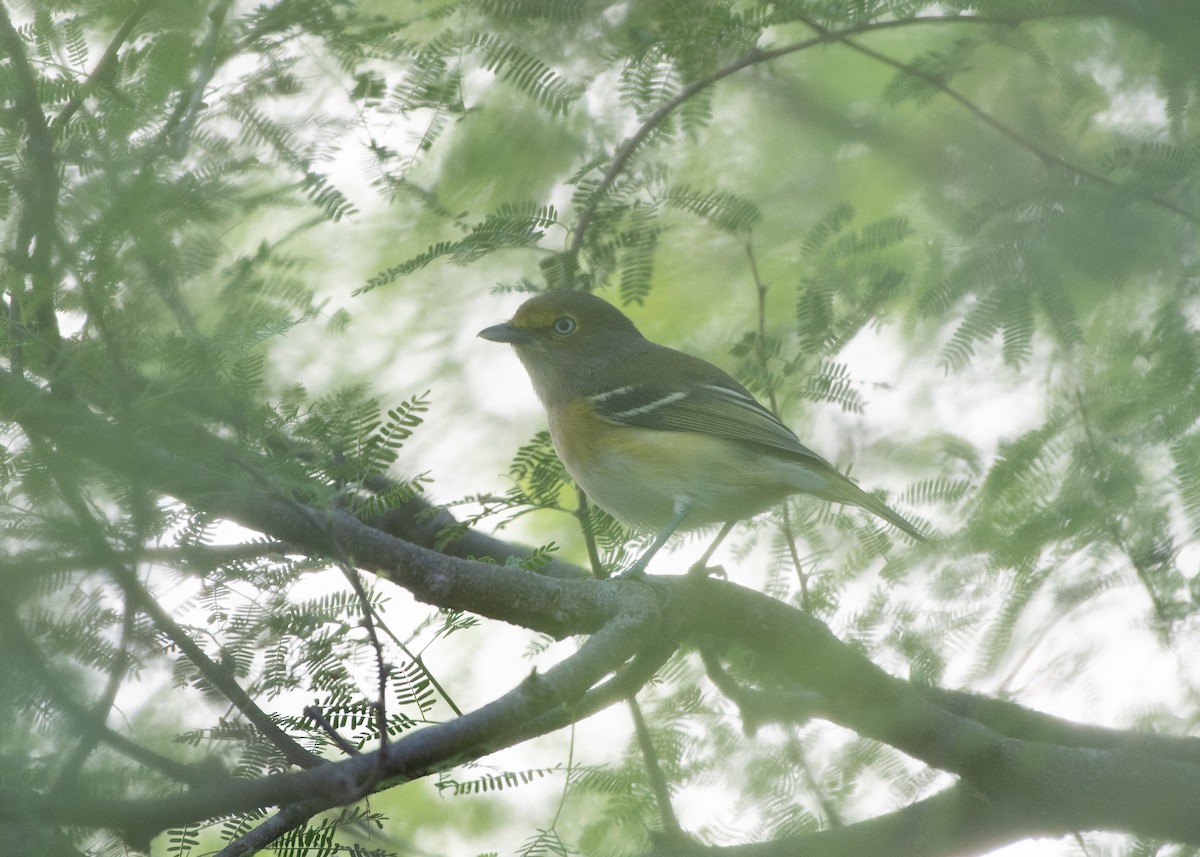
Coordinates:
<point>702,568</point>
<point>639,567</point>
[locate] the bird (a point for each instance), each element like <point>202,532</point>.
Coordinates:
<point>661,440</point>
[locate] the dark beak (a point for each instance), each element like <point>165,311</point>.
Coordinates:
<point>506,332</point>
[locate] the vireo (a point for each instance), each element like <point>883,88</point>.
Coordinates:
<point>659,439</point>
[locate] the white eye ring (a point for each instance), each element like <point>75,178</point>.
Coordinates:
<point>564,325</point>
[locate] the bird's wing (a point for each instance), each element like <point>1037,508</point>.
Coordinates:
<point>714,409</point>
<point>731,412</point>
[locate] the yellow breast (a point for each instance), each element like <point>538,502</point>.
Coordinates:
<point>638,475</point>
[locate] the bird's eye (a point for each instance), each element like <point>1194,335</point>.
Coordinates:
<point>564,325</point>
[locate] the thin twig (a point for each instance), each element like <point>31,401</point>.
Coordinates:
<point>383,669</point>
<point>570,768</point>
<point>760,350</point>
<point>625,153</point>
<point>654,772</point>
<point>183,119</point>
<point>37,225</point>
<point>589,535</point>
<point>68,775</point>
<point>25,649</point>
<point>287,819</point>
<point>1048,158</point>
<point>106,67</point>
<point>317,716</point>
<point>186,558</point>
<point>789,537</point>
<point>219,677</point>
<point>416,658</point>
<point>1112,526</point>
<point>814,785</point>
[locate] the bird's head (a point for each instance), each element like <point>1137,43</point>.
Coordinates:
<point>564,337</point>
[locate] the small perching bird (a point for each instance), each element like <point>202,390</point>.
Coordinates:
<point>659,439</point>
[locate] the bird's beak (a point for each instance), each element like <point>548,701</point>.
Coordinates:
<point>506,332</point>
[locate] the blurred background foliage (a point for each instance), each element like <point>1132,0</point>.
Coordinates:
<point>954,244</point>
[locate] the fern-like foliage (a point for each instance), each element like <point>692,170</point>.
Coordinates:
<point>544,843</point>
<point>1185,454</point>
<point>849,279</point>
<point>538,472</point>
<point>510,226</point>
<point>727,211</point>
<point>506,780</point>
<point>527,73</point>
<point>188,188</point>
<point>920,81</point>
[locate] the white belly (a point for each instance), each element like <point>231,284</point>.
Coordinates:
<point>716,479</point>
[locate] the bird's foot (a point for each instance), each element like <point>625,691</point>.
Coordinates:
<point>635,572</point>
<point>702,569</point>
<point>660,586</point>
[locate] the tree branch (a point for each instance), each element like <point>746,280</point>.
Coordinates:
<point>1054,786</point>
<point>185,557</point>
<point>209,480</point>
<point>492,727</point>
<point>958,821</point>
<point>183,119</point>
<point>27,652</point>
<point>628,150</point>
<point>420,522</point>
<point>1076,788</point>
<point>654,772</point>
<point>107,66</point>
<point>286,820</point>
<point>37,225</point>
<point>799,705</point>
<point>68,774</point>
<point>137,596</point>
<point>1047,157</point>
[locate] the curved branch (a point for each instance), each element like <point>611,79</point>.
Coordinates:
<point>137,596</point>
<point>420,522</point>
<point>107,66</point>
<point>19,643</point>
<point>957,822</point>
<point>799,705</point>
<point>1048,158</point>
<point>1016,721</point>
<point>218,676</point>
<point>1058,784</point>
<point>183,118</point>
<point>185,557</point>
<point>629,149</point>
<point>501,723</point>
<point>1039,774</point>
<point>215,477</point>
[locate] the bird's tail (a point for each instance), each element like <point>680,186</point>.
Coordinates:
<point>845,491</point>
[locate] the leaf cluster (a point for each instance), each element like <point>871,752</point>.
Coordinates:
<point>171,175</point>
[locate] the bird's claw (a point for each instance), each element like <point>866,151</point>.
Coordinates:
<point>704,570</point>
